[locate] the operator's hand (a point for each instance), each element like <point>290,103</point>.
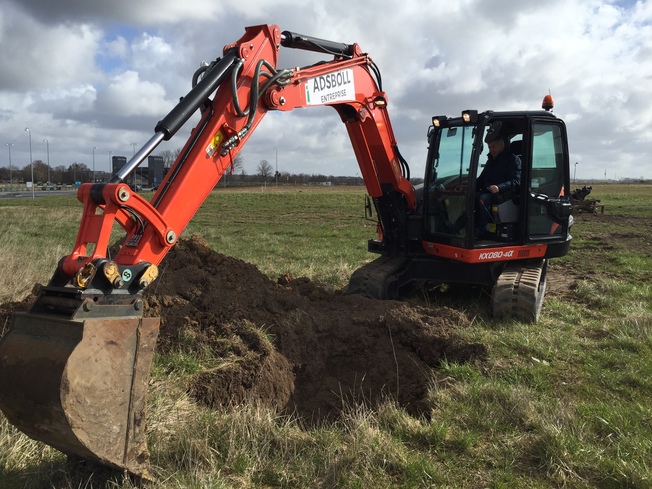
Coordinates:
<point>493,189</point>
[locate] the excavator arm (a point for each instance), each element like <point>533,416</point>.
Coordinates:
<point>247,86</point>
<point>74,369</point>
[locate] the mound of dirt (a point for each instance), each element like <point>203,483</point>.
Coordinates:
<point>293,345</point>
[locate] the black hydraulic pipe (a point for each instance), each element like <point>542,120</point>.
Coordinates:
<point>197,96</point>
<point>308,43</point>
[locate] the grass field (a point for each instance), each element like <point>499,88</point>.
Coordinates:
<point>563,403</point>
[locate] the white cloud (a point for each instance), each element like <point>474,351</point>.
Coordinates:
<point>36,56</point>
<point>103,73</point>
<point>117,48</point>
<point>149,51</point>
<point>127,95</point>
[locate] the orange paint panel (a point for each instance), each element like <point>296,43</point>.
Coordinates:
<point>484,255</point>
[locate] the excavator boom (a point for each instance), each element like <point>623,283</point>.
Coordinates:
<point>74,369</point>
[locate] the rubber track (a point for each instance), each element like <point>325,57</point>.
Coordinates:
<point>375,278</point>
<point>519,291</point>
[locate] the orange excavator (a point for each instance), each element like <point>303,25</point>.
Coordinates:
<point>74,368</point>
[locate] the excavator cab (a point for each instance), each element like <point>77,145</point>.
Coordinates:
<point>527,225</point>
<point>537,211</point>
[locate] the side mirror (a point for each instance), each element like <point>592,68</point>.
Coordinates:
<point>559,209</point>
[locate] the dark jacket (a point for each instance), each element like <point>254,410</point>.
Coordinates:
<point>504,171</point>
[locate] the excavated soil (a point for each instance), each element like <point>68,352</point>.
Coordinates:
<point>293,345</point>
<point>290,344</point>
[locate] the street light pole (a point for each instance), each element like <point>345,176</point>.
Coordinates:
<point>31,160</point>
<point>94,148</point>
<point>136,172</point>
<point>47,146</point>
<point>575,172</point>
<point>11,177</point>
<point>276,156</point>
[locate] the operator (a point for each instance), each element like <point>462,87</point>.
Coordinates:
<point>499,179</point>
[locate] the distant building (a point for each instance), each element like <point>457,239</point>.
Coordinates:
<point>156,170</point>
<point>136,178</point>
<point>117,162</point>
<point>102,176</point>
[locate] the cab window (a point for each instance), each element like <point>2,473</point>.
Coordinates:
<point>449,177</point>
<point>547,176</point>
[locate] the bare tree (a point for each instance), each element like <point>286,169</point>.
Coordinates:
<point>40,171</point>
<point>169,156</point>
<point>265,169</point>
<point>237,166</point>
<point>77,171</point>
<point>58,173</point>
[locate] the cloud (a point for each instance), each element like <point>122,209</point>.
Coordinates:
<point>149,51</point>
<point>103,73</point>
<point>127,95</point>
<point>35,56</point>
<point>146,12</point>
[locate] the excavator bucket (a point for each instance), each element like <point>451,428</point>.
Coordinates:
<point>80,385</point>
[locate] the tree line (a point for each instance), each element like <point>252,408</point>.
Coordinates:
<point>235,175</point>
<point>62,174</point>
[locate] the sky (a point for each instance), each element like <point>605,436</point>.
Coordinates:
<point>100,75</point>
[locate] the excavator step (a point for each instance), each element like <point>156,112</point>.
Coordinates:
<point>519,291</point>
<point>80,385</point>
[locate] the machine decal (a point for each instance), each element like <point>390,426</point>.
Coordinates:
<point>330,88</point>
<point>397,168</point>
<point>214,144</point>
<point>491,255</point>
<point>486,254</point>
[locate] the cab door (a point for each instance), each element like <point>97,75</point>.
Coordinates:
<point>548,182</point>
<point>447,202</point>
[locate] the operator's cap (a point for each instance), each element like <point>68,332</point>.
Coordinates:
<point>494,132</point>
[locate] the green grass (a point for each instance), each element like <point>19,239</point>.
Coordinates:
<point>319,235</point>
<point>563,403</point>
